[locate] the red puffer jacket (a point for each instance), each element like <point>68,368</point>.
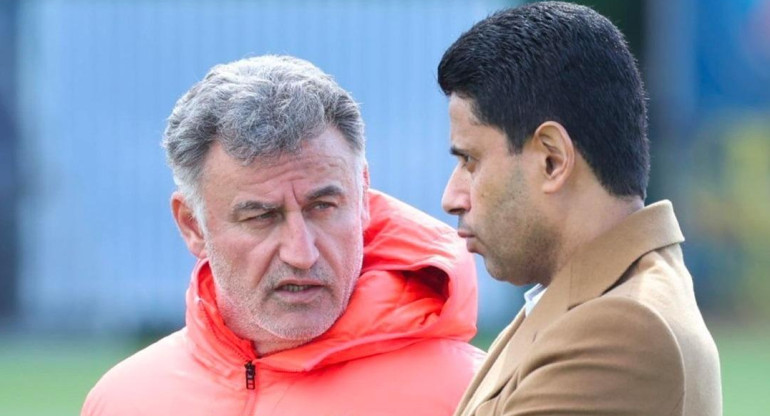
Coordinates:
<point>400,348</point>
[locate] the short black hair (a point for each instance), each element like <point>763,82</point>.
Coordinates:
<point>561,62</point>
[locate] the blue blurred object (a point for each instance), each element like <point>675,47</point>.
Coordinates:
<point>9,178</point>
<point>733,54</point>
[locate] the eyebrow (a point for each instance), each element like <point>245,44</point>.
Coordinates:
<point>455,151</point>
<point>253,206</point>
<point>329,190</point>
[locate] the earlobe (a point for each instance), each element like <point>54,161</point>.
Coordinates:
<point>366,176</point>
<point>557,155</point>
<point>365,198</point>
<point>188,225</point>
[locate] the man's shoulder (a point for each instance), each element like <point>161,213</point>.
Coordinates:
<point>609,343</point>
<point>426,377</point>
<point>660,282</point>
<point>153,358</point>
<point>654,290</point>
<point>431,358</point>
<point>653,301</point>
<point>440,350</point>
<point>650,316</point>
<point>412,368</point>
<point>646,352</point>
<point>612,354</point>
<point>127,383</point>
<point>660,272</point>
<point>613,311</point>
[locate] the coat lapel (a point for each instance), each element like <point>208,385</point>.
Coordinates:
<point>514,342</point>
<point>489,373</point>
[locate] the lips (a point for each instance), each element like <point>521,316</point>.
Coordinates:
<point>470,239</point>
<point>297,291</point>
<point>297,286</point>
<point>463,233</point>
<point>294,288</point>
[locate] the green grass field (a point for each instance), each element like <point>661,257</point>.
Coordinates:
<point>51,377</point>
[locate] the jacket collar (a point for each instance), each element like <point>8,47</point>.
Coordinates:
<point>591,271</point>
<point>602,262</point>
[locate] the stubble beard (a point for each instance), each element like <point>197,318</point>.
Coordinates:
<point>528,256</point>
<point>537,256</point>
<point>239,305</point>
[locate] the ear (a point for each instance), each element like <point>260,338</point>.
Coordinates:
<point>188,225</point>
<point>365,197</point>
<point>556,155</point>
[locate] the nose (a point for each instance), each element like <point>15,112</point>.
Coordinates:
<point>298,247</point>
<point>456,199</point>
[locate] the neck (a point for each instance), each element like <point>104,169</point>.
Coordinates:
<point>591,215</point>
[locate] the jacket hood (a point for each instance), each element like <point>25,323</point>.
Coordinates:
<point>417,282</point>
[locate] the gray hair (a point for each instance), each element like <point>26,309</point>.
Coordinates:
<point>260,106</point>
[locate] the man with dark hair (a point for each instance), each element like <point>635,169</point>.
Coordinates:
<point>312,294</point>
<point>548,123</point>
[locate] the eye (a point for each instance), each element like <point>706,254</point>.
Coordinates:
<point>266,216</point>
<point>465,161</point>
<point>263,217</point>
<point>321,206</point>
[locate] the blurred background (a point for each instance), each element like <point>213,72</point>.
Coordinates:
<point>91,264</point>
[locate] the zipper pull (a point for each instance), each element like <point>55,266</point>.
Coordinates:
<point>250,375</point>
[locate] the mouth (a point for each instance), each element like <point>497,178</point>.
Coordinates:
<point>295,288</point>
<point>471,243</point>
<point>299,292</point>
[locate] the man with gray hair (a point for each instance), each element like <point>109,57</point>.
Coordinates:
<point>313,294</point>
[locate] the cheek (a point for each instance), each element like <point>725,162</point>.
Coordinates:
<point>344,245</point>
<point>232,246</point>
<point>342,248</point>
<point>247,257</point>
<point>482,193</point>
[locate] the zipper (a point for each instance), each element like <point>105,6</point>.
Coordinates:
<point>251,373</point>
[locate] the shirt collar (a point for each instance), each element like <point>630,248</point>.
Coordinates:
<point>532,296</point>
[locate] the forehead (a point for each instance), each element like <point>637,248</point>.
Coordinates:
<point>461,111</point>
<point>466,131</point>
<point>321,160</point>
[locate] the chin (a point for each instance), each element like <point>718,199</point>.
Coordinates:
<point>501,275</point>
<point>305,328</point>
<point>494,271</point>
<point>304,334</point>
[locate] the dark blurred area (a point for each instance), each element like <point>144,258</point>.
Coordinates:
<point>9,178</point>
<point>88,247</point>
